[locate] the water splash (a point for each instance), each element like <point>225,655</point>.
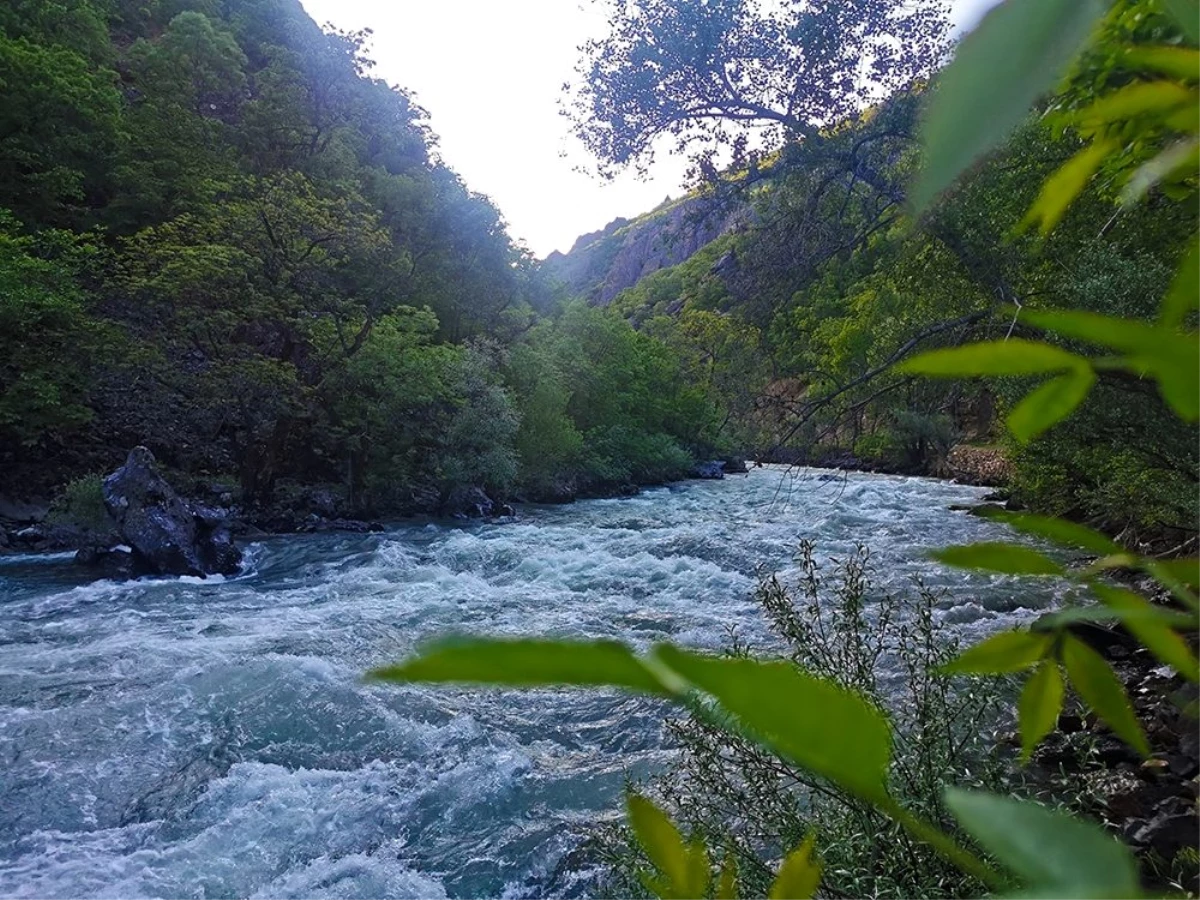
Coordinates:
<point>188,738</point>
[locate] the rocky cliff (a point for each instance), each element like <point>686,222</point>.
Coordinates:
<point>603,263</point>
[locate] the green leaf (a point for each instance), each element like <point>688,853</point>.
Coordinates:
<point>1008,651</point>
<point>1055,621</point>
<point>525,662</point>
<point>1186,14</point>
<point>821,726</point>
<point>995,556</point>
<point>1156,636</point>
<point>1178,62</point>
<point>1018,51</point>
<point>1060,189</point>
<point>1049,403</point>
<point>1103,692</point>
<point>1186,571</point>
<point>1012,357</point>
<point>799,874</point>
<point>661,840</point>
<point>1120,560</point>
<point>1184,295</point>
<point>1127,335</point>
<point>1173,359</point>
<point>1177,162</point>
<point>1180,389</point>
<point>1138,99</point>
<point>699,870</point>
<point>1179,577</point>
<point>727,880</point>
<point>1058,530</point>
<point>1040,703</point>
<point>1053,853</point>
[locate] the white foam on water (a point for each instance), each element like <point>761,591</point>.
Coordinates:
<point>13,559</point>
<point>214,737</point>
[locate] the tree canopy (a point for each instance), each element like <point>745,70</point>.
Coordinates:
<point>706,75</point>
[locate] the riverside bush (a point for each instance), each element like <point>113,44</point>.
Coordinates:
<point>81,503</point>
<point>833,623</point>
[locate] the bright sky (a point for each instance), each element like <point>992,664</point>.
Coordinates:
<point>490,73</point>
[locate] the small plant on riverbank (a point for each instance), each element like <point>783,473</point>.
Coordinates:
<point>755,806</point>
<point>81,504</point>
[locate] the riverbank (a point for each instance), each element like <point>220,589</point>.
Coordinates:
<point>82,523</point>
<point>1150,803</point>
<point>974,464</point>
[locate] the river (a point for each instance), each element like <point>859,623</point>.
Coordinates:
<point>191,738</point>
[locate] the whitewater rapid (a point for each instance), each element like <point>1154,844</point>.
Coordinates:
<point>191,738</point>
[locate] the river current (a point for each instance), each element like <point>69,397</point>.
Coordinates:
<point>192,738</point>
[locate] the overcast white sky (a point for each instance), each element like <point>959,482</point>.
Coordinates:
<point>490,73</point>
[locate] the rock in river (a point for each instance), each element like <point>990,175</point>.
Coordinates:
<point>713,468</point>
<point>168,535</point>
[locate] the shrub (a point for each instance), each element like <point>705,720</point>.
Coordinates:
<point>736,794</point>
<point>622,454</point>
<point>81,503</point>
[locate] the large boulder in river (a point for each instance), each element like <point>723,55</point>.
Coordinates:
<point>468,502</point>
<point>712,468</point>
<point>168,535</point>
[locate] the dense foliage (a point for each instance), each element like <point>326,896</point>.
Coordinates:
<point>222,238</point>
<point>697,75</point>
<point>798,315</point>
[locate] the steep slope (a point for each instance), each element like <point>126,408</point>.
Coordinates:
<point>603,263</point>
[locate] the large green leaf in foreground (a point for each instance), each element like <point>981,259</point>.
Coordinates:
<point>525,662</point>
<point>820,726</point>
<point>1055,854</point>
<point>1019,50</point>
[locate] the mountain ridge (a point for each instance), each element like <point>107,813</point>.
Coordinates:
<point>601,264</point>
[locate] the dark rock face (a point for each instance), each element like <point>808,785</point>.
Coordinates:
<point>602,264</point>
<point>424,499</point>
<point>841,459</point>
<point>735,465</point>
<point>46,538</point>
<point>23,511</point>
<point>325,502</point>
<point>168,535</point>
<point>564,489</point>
<point>215,545</point>
<point>468,503</point>
<point>713,468</point>
<point>114,564</point>
<point>315,523</point>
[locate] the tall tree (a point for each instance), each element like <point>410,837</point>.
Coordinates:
<point>705,73</point>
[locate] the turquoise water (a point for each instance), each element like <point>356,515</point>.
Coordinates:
<point>188,738</point>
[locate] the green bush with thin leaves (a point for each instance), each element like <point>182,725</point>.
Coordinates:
<point>835,622</point>
<point>81,504</point>
<point>1147,133</point>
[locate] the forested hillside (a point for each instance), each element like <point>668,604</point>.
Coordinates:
<point>819,279</point>
<point>221,238</point>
